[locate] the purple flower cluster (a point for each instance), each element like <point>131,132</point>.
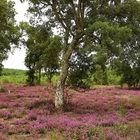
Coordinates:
<point>110,135</point>
<point>31,110</point>
<point>5,114</point>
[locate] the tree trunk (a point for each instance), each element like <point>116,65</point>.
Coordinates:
<point>49,76</point>
<point>39,76</point>
<point>59,97</point>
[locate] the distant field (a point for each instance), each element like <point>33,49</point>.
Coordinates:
<point>8,72</point>
<point>13,76</point>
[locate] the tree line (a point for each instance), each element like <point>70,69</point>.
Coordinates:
<point>95,38</point>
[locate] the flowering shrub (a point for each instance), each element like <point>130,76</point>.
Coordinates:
<point>110,135</point>
<point>3,137</point>
<point>37,127</point>
<point>91,114</point>
<point>6,114</point>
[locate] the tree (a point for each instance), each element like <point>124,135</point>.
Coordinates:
<point>79,20</point>
<point>9,32</point>
<point>42,51</point>
<point>51,56</point>
<point>130,74</point>
<point>127,62</point>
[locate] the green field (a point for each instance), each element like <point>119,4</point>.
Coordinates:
<point>13,76</point>
<point>19,77</point>
<point>7,71</point>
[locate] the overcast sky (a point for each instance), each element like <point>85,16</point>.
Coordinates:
<point>16,60</point>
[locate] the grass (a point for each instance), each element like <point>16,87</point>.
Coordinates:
<point>19,77</point>
<point>7,71</point>
<point>13,79</point>
<point>13,76</point>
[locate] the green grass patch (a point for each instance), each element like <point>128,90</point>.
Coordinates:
<point>13,79</point>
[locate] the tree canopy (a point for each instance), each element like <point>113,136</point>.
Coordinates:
<point>9,33</point>
<point>42,51</point>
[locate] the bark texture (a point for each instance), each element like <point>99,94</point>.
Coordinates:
<point>59,97</point>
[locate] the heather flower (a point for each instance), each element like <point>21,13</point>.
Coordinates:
<point>32,115</point>
<point>3,137</point>
<point>37,127</point>
<point>32,112</point>
<point>110,135</point>
<point>1,126</point>
<point>6,114</point>
<point>20,122</point>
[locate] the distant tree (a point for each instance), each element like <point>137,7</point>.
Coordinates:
<point>130,74</point>
<point>42,51</point>
<point>127,62</point>
<point>100,61</point>
<point>50,58</point>
<point>9,32</point>
<point>79,20</point>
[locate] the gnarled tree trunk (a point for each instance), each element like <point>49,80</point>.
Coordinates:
<point>59,97</point>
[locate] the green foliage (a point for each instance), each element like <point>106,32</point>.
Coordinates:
<point>129,72</point>
<point>81,65</point>
<point>50,58</point>
<point>55,79</point>
<point>42,52</point>
<point>9,32</point>
<point>99,77</point>
<point>113,77</point>
<point>31,77</point>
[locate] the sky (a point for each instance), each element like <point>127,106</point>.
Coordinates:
<point>16,60</point>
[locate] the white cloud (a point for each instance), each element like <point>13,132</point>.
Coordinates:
<point>16,60</point>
